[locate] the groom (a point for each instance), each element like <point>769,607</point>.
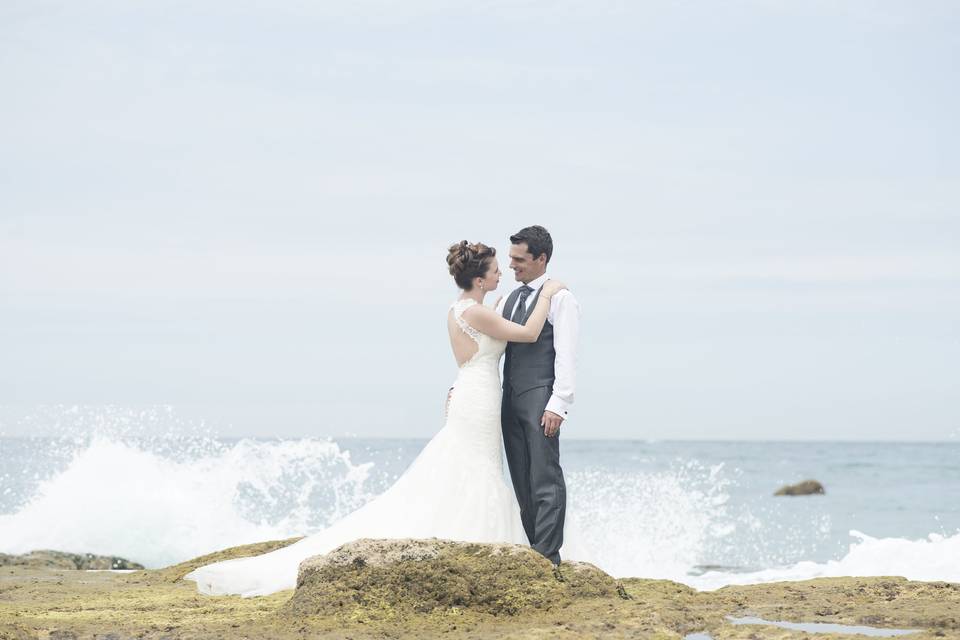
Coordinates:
<point>538,381</point>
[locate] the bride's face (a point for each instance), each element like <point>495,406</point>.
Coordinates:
<point>492,278</point>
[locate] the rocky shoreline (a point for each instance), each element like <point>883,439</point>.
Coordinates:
<point>45,558</point>
<point>436,588</point>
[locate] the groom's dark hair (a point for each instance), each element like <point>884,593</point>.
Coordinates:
<point>538,241</point>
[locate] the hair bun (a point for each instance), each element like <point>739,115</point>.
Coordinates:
<point>467,261</point>
<point>457,255</point>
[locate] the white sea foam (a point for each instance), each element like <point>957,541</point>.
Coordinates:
<point>935,558</point>
<point>115,498</point>
<point>651,524</point>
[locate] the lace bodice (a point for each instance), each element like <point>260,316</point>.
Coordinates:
<point>488,349</point>
<point>458,308</point>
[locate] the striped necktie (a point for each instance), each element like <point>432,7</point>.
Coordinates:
<point>521,309</point>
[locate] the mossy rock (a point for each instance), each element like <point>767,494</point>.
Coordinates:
<point>392,579</point>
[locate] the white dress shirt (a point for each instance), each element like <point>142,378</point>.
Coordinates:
<point>564,315</point>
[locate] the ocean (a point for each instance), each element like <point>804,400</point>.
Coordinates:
<point>698,512</point>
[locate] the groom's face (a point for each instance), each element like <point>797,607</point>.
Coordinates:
<point>525,268</point>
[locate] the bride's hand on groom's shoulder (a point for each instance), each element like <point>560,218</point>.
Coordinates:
<point>552,287</point>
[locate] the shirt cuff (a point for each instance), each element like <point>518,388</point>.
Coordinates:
<point>558,406</point>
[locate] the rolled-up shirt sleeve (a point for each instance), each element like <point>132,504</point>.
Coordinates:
<point>566,329</point>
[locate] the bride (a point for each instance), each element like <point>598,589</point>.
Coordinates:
<point>455,488</point>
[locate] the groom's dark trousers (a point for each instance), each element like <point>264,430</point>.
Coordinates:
<point>533,458</point>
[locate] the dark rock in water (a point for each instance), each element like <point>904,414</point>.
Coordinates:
<point>391,579</point>
<point>62,560</point>
<point>805,488</point>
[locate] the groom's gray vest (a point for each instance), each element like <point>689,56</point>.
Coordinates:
<point>528,365</point>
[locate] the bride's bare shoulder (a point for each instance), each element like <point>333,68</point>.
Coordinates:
<point>478,311</point>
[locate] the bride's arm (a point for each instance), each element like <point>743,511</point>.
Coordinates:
<point>488,321</point>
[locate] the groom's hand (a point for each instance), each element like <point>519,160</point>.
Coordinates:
<point>551,423</point>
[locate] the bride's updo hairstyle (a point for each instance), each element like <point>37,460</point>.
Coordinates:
<point>468,261</point>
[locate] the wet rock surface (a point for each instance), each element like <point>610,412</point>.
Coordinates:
<point>433,589</point>
<point>879,602</point>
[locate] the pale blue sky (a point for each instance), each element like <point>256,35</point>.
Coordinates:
<point>242,209</point>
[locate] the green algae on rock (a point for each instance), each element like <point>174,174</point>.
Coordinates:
<point>388,579</point>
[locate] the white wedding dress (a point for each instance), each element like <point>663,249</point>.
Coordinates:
<point>455,489</point>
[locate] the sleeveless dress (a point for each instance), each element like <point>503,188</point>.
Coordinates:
<point>455,488</point>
